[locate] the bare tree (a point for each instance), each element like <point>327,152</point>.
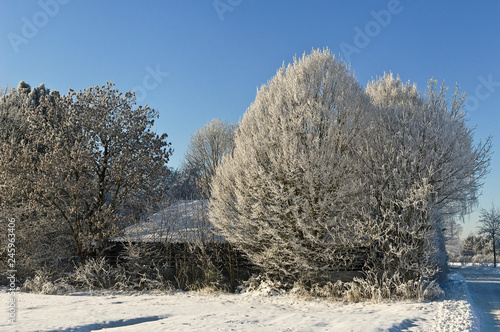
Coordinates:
<point>205,151</point>
<point>490,227</point>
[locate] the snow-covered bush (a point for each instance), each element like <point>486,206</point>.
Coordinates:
<point>260,284</point>
<point>433,291</point>
<point>46,282</point>
<point>141,267</point>
<point>138,268</point>
<point>329,290</point>
<point>95,273</point>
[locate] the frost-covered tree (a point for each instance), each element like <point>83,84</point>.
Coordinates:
<point>432,134</point>
<point>421,165</point>
<point>477,249</point>
<point>282,195</point>
<point>490,228</point>
<point>12,106</point>
<point>205,151</point>
<point>452,232</point>
<point>91,161</point>
<point>470,246</point>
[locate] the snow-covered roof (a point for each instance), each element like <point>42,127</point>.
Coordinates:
<point>182,221</point>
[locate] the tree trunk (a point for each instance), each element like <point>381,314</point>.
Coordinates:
<point>79,249</point>
<point>494,253</point>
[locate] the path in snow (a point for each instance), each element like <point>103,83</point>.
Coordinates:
<point>484,288</point>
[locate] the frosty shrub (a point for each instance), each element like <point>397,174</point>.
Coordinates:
<point>141,268</point>
<point>330,290</point>
<point>433,291</point>
<point>95,273</point>
<point>46,282</point>
<point>265,286</point>
<point>138,268</point>
<point>281,196</point>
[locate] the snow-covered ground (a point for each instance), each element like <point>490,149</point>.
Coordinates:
<point>252,311</point>
<point>483,284</point>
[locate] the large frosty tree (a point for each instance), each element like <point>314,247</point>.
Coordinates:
<point>281,195</point>
<point>90,160</point>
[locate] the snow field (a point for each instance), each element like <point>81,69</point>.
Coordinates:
<point>252,311</point>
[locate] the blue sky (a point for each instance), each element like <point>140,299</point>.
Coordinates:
<point>198,60</point>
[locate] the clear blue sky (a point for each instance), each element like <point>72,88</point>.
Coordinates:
<point>198,60</point>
